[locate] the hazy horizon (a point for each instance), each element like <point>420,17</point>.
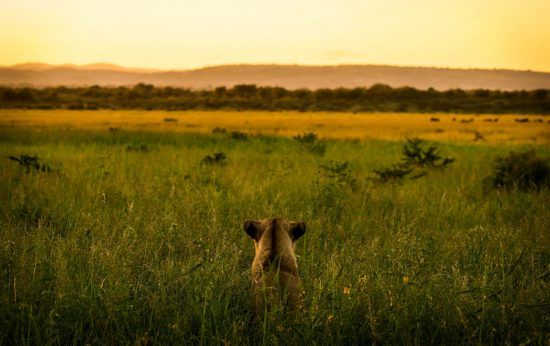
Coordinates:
<point>107,64</point>
<point>177,35</point>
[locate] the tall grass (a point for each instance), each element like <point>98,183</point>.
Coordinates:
<point>120,246</point>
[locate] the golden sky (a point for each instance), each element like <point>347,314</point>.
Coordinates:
<point>184,34</point>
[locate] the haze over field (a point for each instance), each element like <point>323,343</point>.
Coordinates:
<point>287,76</point>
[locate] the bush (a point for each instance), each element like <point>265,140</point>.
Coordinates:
<point>524,171</point>
<point>338,173</point>
<point>30,163</point>
<point>335,184</point>
<point>219,130</point>
<point>239,136</point>
<point>306,138</point>
<point>311,143</point>
<point>414,160</point>
<point>415,155</point>
<point>214,159</point>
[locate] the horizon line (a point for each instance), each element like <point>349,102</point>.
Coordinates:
<point>182,69</point>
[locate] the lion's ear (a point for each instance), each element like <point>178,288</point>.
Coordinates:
<point>252,228</point>
<point>297,229</point>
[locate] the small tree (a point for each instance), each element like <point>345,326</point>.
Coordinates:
<point>415,155</point>
<point>414,161</point>
<point>30,163</point>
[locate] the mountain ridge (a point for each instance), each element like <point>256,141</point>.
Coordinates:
<point>286,76</point>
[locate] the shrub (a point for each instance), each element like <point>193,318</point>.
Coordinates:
<point>318,148</point>
<point>524,171</point>
<point>31,163</point>
<point>238,136</point>
<point>219,130</point>
<point>306,138</point>
<point>338,174</point>
<point>415,155</point>
<point>214,159</point>
<point>311,143</point>
<point>415,158</point>
<point>335,184</point>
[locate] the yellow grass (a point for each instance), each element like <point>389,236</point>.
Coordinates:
<point>390,126</point>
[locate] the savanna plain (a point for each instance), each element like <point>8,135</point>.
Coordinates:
<point>125,227</point>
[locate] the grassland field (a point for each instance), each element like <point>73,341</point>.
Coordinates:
<point>364,126</point>
<point>130,239</point>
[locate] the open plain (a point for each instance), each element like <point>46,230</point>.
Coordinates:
<point>127,233</point>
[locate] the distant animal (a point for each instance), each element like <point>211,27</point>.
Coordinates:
<point>478,136</point>
<point>275,279</point>
<point>434,119</point>
<point>522,120</point>
<point>467,121</point>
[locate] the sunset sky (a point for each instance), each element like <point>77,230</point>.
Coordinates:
<point>179,34</point>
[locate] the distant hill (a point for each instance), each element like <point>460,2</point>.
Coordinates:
<point>37,66</point>
<point>287,76</point>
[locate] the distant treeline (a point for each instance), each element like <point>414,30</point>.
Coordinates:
<point>379,97</point>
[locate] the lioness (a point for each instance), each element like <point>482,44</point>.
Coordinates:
<point>275,270</point>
